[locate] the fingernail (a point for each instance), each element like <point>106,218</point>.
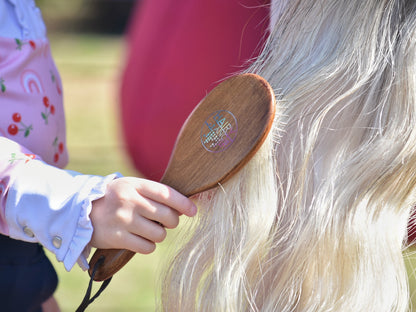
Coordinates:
<point>193,211</point>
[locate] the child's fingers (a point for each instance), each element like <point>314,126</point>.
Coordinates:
<point>138,244</point>
<point>165,195</point>
<point>148,229</point>
<point>133,213</point>
<point>158,212</point>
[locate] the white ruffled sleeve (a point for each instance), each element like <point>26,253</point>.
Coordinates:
<point>49,205</point>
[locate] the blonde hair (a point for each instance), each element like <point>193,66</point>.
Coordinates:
<point>317,220</point>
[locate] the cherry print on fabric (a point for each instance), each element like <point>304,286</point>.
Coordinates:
<point>59,149</point>
<point>34,118</point>
<point>2,85</point>
<point>55,81</point>
<point>49,109</point>
<point>21,43</point>
<point>21,156</point>
<point>14,129</point>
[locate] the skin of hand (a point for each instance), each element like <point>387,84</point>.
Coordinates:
<point>134,214</point>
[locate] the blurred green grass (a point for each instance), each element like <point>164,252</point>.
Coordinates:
<point>90,68</point>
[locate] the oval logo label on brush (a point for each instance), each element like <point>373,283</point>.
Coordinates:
<point>219,131</point>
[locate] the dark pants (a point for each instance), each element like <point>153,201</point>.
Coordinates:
<point>27,278</point>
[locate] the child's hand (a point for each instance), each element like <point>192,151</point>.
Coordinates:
<point>132,212</point>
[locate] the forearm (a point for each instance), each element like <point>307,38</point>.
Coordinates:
<point>45,204</point>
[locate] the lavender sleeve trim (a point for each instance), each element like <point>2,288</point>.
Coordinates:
<point>51,206</point>
<point>79,248</point>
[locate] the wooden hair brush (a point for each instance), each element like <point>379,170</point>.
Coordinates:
<point>219,137</point>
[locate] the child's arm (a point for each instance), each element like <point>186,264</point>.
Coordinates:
<point>41,203</point>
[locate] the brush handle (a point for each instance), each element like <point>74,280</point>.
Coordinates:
<point>115,259</point>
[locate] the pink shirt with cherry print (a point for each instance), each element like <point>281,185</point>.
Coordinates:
<point>39,201</point>
<point>31,99</point>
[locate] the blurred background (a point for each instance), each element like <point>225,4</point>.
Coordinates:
<point>87,41</point>
<point>94,16</point>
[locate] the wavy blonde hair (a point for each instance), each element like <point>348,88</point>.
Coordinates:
<point>317,220</point>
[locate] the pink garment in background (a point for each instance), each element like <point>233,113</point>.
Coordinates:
<point>178,51</point>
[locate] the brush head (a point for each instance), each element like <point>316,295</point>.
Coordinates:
<point>221,134</point>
